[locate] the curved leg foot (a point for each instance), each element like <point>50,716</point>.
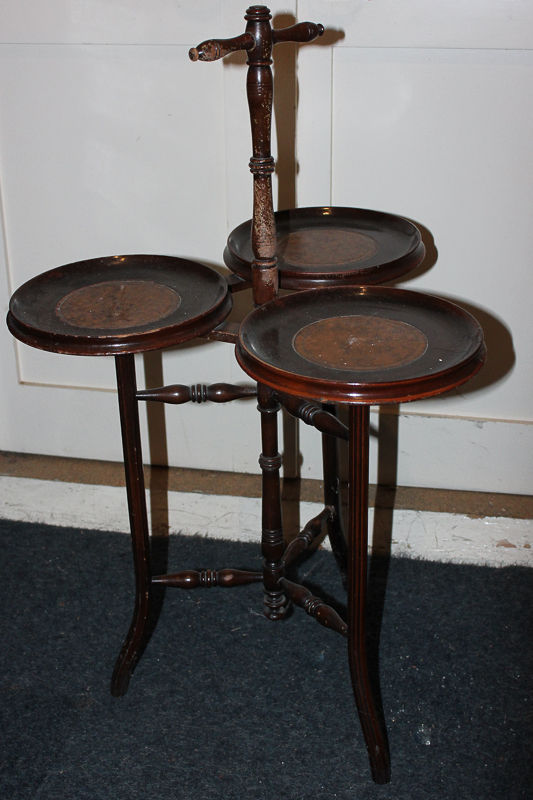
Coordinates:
<point>371,723</point>
<point>132,648</point>
<point>131,441</point>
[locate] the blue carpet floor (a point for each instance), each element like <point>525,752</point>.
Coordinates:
<point>225,704</point>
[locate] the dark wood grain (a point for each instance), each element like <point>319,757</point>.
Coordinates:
<point>455,351</point>
<point>198,393</point>
<point>133,466</point>
<point>82,309</point>
<point>259,88</point>
<point>225,332</point>
<point>224,578</point>
<point>333,497</point>
<point>272,543</point>
<point>213,49</point>
<point>307,536</point>
<point>333,246</point>
<point>314,415</point>
<point>301,33</point>
<point>315,607</point>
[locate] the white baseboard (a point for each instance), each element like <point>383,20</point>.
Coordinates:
<point>435,536</point>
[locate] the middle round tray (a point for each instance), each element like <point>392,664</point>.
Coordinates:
<point>331,246</point>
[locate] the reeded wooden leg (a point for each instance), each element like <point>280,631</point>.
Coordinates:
<point>272,545</point>
<point>375,736</point>
<point>332,496</point>
<point>133,465</point>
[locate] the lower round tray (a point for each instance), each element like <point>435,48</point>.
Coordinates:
<point>365,345</point>
<point>329,246</point>
<point>118,304</point>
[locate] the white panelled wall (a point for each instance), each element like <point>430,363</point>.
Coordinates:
<point>112,141</point>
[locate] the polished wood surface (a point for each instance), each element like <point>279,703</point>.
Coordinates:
<point>307,536</point>
<point>315,607</point>
<point>443,348</point>
<point>272,542</point>
<point>331,246</point>
<point>198,393</point>
<point>333,496</point>
<point>133,467</point>
<point>193,579</point>
<point>118,304</point>
<point>312,414</point>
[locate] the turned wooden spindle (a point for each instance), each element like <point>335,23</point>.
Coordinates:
<point>313,414</point>
<point>198,393</point>
<point>307,536</point>
<point>315,607</point>
<point>192,579</point>
<point>258,40</point>
<point>272,543</point>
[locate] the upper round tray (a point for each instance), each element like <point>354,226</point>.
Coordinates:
<point>364,345</point>
<point>330,246</point>
<point>118,304</point>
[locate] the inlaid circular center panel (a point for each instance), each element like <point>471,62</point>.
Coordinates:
<point>325,247</point>
<point>360,343</point>
<point>118,304</point>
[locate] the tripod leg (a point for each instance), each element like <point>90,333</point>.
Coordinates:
<point>133,465</point>
<point>272,544</point>
<point>332,496</point>
<point>375,736</point>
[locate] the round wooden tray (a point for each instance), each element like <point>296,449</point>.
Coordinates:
<point>118,304</point>
<point>330,246</point>
<point>361,345</point>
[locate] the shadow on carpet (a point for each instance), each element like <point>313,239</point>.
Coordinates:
<point>225,704</point>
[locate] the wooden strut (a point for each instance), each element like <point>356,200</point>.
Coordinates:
<point>198,393</point>
<point>313,414</point>
<point>315,607</point>
<point>301,596</point>
<point>307,536</point>
<point>192,579</point>
<point>225,332</point>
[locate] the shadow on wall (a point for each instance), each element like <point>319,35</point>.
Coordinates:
<point>501,356</point>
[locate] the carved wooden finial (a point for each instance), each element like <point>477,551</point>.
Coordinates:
<point>258,41</point>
